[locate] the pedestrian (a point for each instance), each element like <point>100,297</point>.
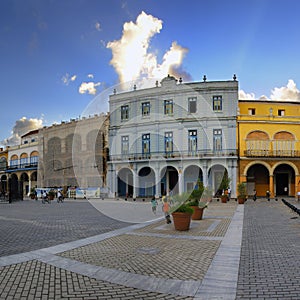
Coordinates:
<point>229,193</point>
<point>254,194</point>
<point>298,194</point>
<point>59,196</point>
<point>166,209</point>
<point>153,204</point>
<point>268,195</point>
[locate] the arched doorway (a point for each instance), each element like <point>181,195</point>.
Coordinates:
<point>15,188</point>
<point>191,175</point>
<point>284,180</point>
<point>25,180</point>
<point>146,182</point>
<point>125,183</point>
<point>3,187</point>
<point>258,179</point>
<point>215,176</point>
<point>169,180</point>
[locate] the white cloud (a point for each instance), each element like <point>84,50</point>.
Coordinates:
<point>90,76</point>
<point>288,92</point>
<point>21,127</point>
<point>131,57</point>
<point>88,87</point>
<point>66,79</point>
<point>246,96</point>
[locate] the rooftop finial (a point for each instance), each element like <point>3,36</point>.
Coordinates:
<point>204,78</point>
<point>234,77</point>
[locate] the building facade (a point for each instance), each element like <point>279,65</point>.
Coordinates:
<point>163,139</point>
<point>21,171</point>
<point>74,153</point>
<point>269,148</point>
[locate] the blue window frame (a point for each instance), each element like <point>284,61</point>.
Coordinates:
<point>192,142</point>
<point>168,143</point>
<point>146,143</point>
<point>217,103</point>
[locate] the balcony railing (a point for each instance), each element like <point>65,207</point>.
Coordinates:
<point>175,155</point>
<point>272,153</point>
<point>23,166</point>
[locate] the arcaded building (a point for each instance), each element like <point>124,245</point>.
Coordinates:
<point>269,147</point>
<point>74,153</point>
<point>164,138</point>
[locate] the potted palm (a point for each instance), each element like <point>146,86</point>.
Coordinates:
<point>181,212</point>
<point>51,194</point>
<point>242,192</point>
<point>195,203</point>
<point>32,193</point>
<point>224,185</point>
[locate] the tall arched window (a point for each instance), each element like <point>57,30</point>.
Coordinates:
<point>283,144</point>
<point>257,143</point>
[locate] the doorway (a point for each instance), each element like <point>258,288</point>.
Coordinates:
<point>282,184</point>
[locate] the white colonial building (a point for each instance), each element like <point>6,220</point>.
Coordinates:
<point>163,139</point>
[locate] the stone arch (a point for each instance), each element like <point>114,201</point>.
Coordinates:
<point>284,135</point>
<point>146,176</point>
<point>54,146</point>
<point>169,179</point>
<point>191,174</point>
<point>286,163</point>
<point>258,178</point>
<point>257,162</point>
<point>284,174</point>
<point>125,182</point>
<point>257,135</point>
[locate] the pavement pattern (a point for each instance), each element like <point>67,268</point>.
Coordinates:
<point>71,250</point>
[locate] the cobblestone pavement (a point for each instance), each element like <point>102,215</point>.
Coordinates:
<point>28,225</point>
<point>270,253</point>
<point>72,251</point>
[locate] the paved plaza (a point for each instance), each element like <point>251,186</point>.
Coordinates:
<point>116,249</point>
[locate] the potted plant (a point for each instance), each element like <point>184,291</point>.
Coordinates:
<point>51,194</point>
<point>207,194</point>
<point>242,192</point>
<point>224,185</point>
<point>181,212</point>
<point>32,193</point>
<point>195,203</point>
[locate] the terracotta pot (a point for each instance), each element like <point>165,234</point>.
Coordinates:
<point>181,220</point>
<point>224,198</point>
<point>198,212</point>
<point>241,200</point>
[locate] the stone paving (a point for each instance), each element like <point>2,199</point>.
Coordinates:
<point>270,254</point>
<point>249,251</point>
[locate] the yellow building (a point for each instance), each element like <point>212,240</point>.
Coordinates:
<point>269,148</point>
<point>3,166</point>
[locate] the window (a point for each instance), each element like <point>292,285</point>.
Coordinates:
<point>217,139</point>
<point>192,105</point>
<point>24,161</point>
<point>146,143</point>
<point>146,108</point>
<point>217,103</point>
<point>124,112</point>
<point>14,162</point>
<point>251,111</point>
<point>34,160</point>
<point>125,144</point>
<point>168,142</point>
<point>168,107</point>
<point>192,142</point>
<point>281,112</point>
<point>32,140</point>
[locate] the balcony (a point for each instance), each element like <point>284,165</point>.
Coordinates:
<point>22,167</point>
<point>175,155</point>
<point>271,153</point>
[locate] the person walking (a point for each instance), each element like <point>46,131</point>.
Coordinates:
<point>166,209</point>
<point>154,205</point>
<point>254,194</point>
<point>268,195</point>
<point>298,194</point>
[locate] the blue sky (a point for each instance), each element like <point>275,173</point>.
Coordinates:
<point>56,56</point>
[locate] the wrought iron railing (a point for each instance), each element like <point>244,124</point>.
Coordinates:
<point>175,155</point>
